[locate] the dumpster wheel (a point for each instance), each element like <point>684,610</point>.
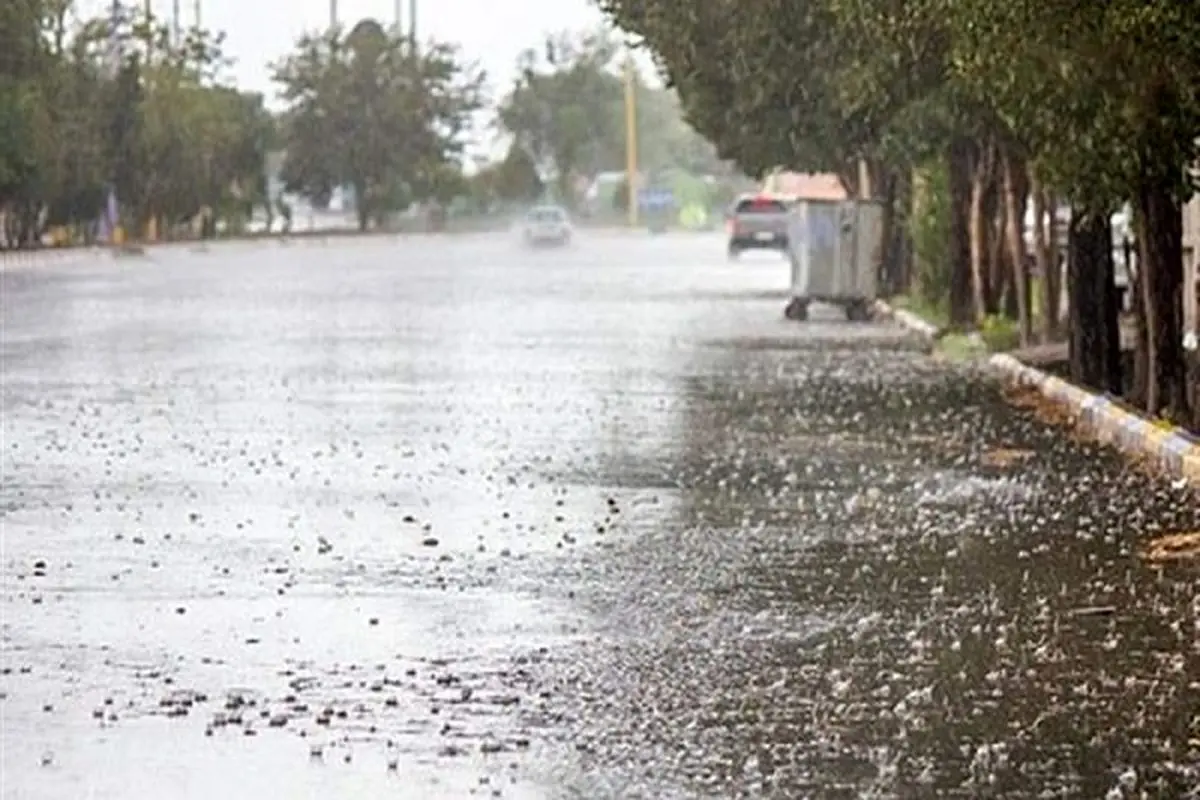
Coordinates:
<point>858,311</point>
<point>796,310</point>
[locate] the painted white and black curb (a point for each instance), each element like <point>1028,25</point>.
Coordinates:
<point>1105,419</point>
<point>907,319</point>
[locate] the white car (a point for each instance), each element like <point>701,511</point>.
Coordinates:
<point>546,225</point>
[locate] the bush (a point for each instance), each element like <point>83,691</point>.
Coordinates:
<point>1000,333</point>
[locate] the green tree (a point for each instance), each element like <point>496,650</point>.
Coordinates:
<point>665,140</point>
<point>513,180</point>
<point>516,177</point>
<point>1107,113</point>
<point>564,109</point>
<point>118,104</point>
<point>367,111</point>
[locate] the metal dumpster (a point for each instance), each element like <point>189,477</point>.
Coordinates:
<point>834,248</point>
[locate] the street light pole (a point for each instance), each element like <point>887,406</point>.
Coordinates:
<point>631,150</point>
<point>175,25</point>
<point>412,23</point>
<point>333,13</point>
<point>149,11</point>
<point>196,14</point>
<point>114,41</point>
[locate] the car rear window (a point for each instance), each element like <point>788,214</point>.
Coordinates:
<point>759,205</point>
<point>546,215</point>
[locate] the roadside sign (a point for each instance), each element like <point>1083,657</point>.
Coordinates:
<point>655,199</point>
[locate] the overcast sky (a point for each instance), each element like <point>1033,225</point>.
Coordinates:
<point>493,32</point>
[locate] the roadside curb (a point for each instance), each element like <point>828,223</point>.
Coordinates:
<point>19,259</point>
<point>45,256</point>
<point>907,319</point>
<point>1104,419</point>
<point>1108,421</point>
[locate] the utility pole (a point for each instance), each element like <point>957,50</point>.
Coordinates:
<point>631,150</point>
<point>114,42</point>
<point>196,14</point>
<point>149,11</point>
<point>176,27</point>
<point>333,14</point>
<point>412,23</point>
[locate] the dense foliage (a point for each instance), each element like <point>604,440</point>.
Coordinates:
<point>566,113</point>
<point>1008,108</point>
<point>365,109</point>
<point>126,111</point>
<point>118,107</point>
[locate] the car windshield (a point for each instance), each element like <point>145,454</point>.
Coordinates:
<point>547,215</point>
<point>760,205</point>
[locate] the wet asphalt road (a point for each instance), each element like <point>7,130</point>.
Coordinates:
<point>447,519</point>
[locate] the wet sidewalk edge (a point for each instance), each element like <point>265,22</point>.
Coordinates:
<point>15,259</point>
<point>45,256</point>
<point>1106,420</point>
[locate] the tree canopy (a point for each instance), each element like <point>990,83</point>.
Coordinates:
<point>122,106</point>
<point>366,109</point>
<point>566,112</point>
<point>564,108</point>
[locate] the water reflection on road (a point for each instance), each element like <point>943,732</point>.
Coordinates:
<point>441,518</point>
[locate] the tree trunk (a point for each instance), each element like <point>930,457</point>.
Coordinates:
<point>1041,249</point>
<point>977,227</point>
<point>362,206</point>
<point>1161,273</point>
<point>30,233</point>
<point>1052,282</point>
<point>901,242</point>
<point>1007,288</point>
<point>1093,307</point>
<point>999,273</point>
<point>1134,262</point>
<point>1014,214</point>
<point>959,163</point>
<point>849,176</point>
<point>889,257</point>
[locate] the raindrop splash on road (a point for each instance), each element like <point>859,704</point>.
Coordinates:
<point>438,519</point>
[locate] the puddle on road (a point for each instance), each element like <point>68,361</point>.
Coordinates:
<point>82,762</point>
<point>959,488</point>
<point>1005,457</point>
<point>109,688</point>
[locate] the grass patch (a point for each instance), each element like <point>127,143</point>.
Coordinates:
<point>1000,333</point>
<point>961,347</point>
<point>997,334</point>
<point>937,313</point>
